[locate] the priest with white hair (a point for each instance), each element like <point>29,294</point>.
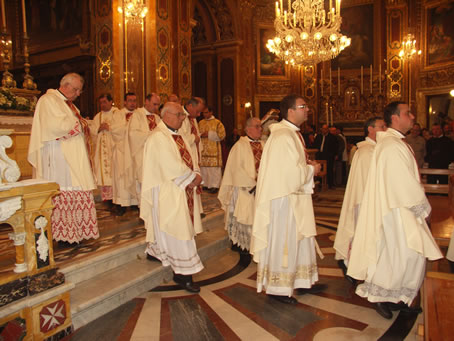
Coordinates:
<point>237,191</point>
<point>167,198</point>
<point>59,151</point>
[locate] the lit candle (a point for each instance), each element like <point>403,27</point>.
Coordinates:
<point>3,16</point>
<point>331,112</point>
<point>321,85</point>
<point>379,78</point>
<point>294,19</point>
<point>330,4</point>
<point>362,79</point>
<point>338,6</point>
<point>282,7</point>
<point>330,81</point>
<point>277,9</point>
<point>24,20</point>
<point>338,81</point>
<point>285,18</point>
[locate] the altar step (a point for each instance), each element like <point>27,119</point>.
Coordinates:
<point>105,281</point>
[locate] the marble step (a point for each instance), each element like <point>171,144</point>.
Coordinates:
<point>99,294</point>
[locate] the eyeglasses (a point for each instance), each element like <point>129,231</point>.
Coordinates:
<point>178,114</point>
<point>76,89</point>
<point>302,106</point>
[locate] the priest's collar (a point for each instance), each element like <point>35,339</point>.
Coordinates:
<point>63,95</point>
<point>175,131</point>
<point>251,139</point>
<point>398,131</point>
<point>291,124</point>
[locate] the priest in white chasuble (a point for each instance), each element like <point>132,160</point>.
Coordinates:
<point>392,239</point>
<point>142,123</point>
<point>355,190</point>
<point>58,152</point>
<point>237,191</point>
<point>121,160</point>
<point>212,132</point>
<point>167,198</point>
<point>100,130</point>
<point>283,233</point>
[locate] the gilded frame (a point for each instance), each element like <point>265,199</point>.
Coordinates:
<point>432,36</point>
<point>269,66</point>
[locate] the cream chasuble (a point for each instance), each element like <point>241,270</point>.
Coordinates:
<point>103,145</point>
<point>283,231</point>
<point>139,127</point>
<point>163,165</point>
<point>353,198</point>
<point>120,161</point>
<point>240,176</point>
<point>58,153</point>
<point>392,238</point>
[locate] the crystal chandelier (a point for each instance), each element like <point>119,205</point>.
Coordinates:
<point>306,34</point>
<point>134,10</point>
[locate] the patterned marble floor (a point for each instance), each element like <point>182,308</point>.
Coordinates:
<point>229,308</point>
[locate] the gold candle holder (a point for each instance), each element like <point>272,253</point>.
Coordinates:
<point>28,78</point>
<point>5,52</point>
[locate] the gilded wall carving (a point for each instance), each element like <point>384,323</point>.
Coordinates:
<point>437,78</point>
<point>223,19</point>
<point>273,87</point>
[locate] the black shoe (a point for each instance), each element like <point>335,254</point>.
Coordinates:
<point>451,266</point>
<point>152,258</point>
<point>401,306</point>
<point>413,310</point>
<point>120,210</point>
<point>284,299</point>
<point>382,309</point>
<point>185,282</point>
<point>315,289</point>
<point>344,271</point>
<point>202,215</point>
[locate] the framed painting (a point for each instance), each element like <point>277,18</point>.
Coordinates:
<point>439,34</point>
<point>358,25</point>
<point>268,64</point>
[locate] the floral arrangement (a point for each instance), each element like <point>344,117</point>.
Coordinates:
<point>10,101</point>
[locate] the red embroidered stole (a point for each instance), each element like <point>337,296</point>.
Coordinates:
<point>85,129</point>
<point>186,157</point>
<point>128,116</point>
<point>304,145</point>
<point>257,150</point>
<point>194,132</point>
<point>151,122</point>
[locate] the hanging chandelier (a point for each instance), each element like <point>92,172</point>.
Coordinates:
<point>306,34</point>
<point>134,10</point>
<point>409,47</point>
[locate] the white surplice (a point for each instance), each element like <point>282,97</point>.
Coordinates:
<point>240,177</point>
<point>283,233</point>
<point>392,239</point>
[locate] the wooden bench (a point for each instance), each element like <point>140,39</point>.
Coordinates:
<point>436,188</point>
<point>438,289</point>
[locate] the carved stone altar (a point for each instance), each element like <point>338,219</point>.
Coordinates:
<point>34,298</point>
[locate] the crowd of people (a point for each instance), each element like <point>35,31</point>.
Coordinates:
<point>161,157</point>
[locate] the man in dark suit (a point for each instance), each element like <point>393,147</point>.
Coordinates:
<point>439,154</point>
<point>327,146</point>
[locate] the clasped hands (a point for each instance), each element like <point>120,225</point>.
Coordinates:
<point>103,126</point>
<point>316,165</point>
<point>197,181</point>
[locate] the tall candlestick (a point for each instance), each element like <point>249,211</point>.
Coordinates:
<point>330,81</point>
<point>3,16</point>
<point>277,9</point>
<point>24,19</point>
<point>321,85</point>
<point>289,6</point>
<point>330,5</point>
<point>379,78</point>
<point>338,6</point>
<point>338,81</point>
<point>285,18</point>
<point>282,7</point>
<point>362,79</point>
<point>371,78</point>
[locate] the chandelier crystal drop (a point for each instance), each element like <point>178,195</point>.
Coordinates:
<point>409,47</point>
<point>134,10</point>
<point>306,33</point>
